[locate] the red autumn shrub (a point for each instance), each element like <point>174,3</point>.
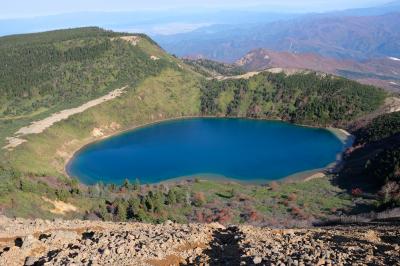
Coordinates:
<point>296,211</point>
<point>356,192</point>
<point>222,216</point>
<point>254,216</point>
<point>200,217</point>
<point>286,203</point>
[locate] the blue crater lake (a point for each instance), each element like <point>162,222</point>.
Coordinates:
<point>246,150</point>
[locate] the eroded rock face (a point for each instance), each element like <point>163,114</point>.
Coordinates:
<point>39,242</point>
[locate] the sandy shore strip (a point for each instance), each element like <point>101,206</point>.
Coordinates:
<point>342,134</point>
<point>315,176</point>
<point>41,125</point>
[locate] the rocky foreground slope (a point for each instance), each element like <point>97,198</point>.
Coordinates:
<point>41,242</point>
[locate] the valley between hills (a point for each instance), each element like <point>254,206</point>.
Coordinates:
<point>62,90</point>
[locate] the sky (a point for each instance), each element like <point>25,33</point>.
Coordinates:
<point>32,8</point>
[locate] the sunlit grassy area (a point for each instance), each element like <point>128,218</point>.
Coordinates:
<point>314,198</point>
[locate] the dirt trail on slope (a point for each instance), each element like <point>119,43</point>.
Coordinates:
<point>244,76</point>
<point>39,126</point>
<point>275,70</point>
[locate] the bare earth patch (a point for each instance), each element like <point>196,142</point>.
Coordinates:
<point>60,207</point>
<point>244,76</point>
<point>392,104</point>
<point>131,39</point>
<point>39,126</point>
<point>275,70</point>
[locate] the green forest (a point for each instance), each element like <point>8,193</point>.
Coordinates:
<point>310,99</point>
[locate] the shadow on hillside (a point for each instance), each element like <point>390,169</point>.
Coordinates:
<point>355,174</point>
<point>224,249</point>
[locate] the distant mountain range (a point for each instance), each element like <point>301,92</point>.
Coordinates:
<point>383,72</point>
<point>360,44</point>
<point>354,43</point>
<point>167,22</point>
<point>149,22</point>
<point>390,7</point>
<point>343,37</point>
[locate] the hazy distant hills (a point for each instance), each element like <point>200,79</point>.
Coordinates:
<point>149,22</point>
<point>383,72</point>
<point>166,22</point>
<point>355,37</point>
<point>391,7</point>
<point>360,44</point>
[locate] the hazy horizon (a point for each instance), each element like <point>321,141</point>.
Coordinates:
<point>39,8</point>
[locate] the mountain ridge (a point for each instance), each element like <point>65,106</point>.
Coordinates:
<point>344,37</point>
<point>382,72</point>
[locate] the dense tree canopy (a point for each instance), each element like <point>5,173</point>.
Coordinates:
<point>301,98</point>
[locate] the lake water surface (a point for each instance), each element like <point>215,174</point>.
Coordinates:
<point>246,150</point>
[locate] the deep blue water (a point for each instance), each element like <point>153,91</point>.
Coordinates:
<point>247,150</point>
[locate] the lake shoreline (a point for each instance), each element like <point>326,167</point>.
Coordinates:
<point>344,136</point>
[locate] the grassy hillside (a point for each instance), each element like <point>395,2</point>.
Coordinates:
<point>63,69</point>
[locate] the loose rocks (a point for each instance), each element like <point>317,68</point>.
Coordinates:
<point>38,242</point>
